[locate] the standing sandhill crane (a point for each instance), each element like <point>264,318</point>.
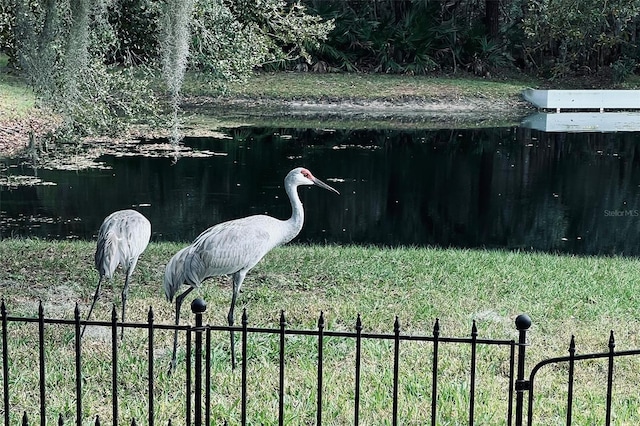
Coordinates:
<point>233,248</point>
<point>122,238</point>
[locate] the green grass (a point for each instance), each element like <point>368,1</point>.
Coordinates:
<point>564,295</point>
<point>16,99</point>
<point>394,88</point>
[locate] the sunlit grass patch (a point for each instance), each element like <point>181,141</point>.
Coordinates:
<point>302,86</point>
<point>16,98</point>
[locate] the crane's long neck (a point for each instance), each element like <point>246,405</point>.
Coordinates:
<point>295,222</point>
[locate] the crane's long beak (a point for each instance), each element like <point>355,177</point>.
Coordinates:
<point>321,184</point>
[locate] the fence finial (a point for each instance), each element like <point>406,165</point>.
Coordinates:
<point>612,342</point>
<point>198,306</point>
<point>396,325</point>
<point>523,322</point>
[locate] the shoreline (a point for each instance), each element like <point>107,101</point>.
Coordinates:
<point>15,134</point>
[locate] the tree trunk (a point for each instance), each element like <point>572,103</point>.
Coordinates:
<point>492,15</point>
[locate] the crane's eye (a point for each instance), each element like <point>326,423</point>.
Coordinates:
<point>306,174</point>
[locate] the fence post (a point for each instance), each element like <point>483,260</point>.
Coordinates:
<point>198,306</point>
<point>243,404</point>
<point>320,360</point>
<point>356,408</point>
<point>612,346</point>
<point>572,354</point>
<point>523,322</point>
<point>78,362</point>
<point>283,324</point>
<point>396,370</point>
<point>43,410</point>
<point>5,363</point>
<point>150,358</point>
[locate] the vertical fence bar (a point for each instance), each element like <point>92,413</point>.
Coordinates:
<point>198,307</point>
<point>523,322</point>
<point>356,403</point>
<point>612,345</point>
<point>207,379</point>
<point>245,322</point>
<point>472,387</point>
<point>572,352</point>
<point>320,357</point>
<point>114,365</point>
<point>396,368</point>
<point>43,411</point>
<point>5,363</point>
<point>512,357</point>
<point>434,377</point>
<point>150,355</point>
<point>188,379</point>
<point>78,360</point>
<point>283,324</point>
<point>197,369</point>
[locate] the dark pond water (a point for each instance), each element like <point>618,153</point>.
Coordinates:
<point>510,188</point>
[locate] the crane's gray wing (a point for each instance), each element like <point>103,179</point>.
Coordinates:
<point>229,247</point>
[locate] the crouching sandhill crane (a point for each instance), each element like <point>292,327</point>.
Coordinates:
<point>233,248</point>
<point>122,238</point>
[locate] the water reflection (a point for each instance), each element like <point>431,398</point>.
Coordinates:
<point>502,187</point>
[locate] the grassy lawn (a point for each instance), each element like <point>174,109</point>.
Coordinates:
<point>564,296</point>
<point>16,99</point>
<point>374,87</point>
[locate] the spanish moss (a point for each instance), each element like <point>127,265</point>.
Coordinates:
<point>175,52</point>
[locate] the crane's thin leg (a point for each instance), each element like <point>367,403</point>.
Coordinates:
<point>125,293</point>
<point>175,336</point>
<point>238,277</point>
<point>95,298</point>
<point>230,320</point>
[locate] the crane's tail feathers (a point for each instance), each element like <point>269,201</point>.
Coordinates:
<point>194,270</point>
<point>174,274</point>
<point>106,257</point>
<point>173,279</point>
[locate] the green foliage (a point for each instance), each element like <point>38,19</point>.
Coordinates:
<point>564,36</point>
<point>622,69</point>
<point>61,51</point>
<point>231,39</point>
<point>7,23</point>
<point>419,38</point>
<point>222,46</point>
<point>133,39</point>
<point>73,52</point>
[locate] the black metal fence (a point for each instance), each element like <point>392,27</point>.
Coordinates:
<point>198,365</point>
